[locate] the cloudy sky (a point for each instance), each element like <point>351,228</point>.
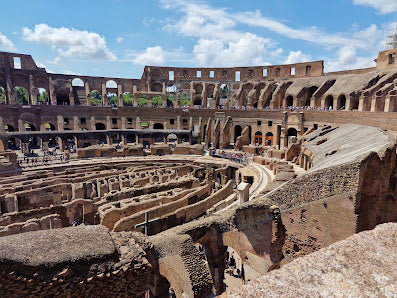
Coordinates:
<point>116,38</point>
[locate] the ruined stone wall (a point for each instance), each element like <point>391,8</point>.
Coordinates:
<point>118,268</point>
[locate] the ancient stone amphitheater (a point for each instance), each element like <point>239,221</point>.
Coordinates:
<point>140,187</point>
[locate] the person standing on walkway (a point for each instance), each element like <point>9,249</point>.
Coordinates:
<point>242,273</point>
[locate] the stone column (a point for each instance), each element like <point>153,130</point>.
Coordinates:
<point>32,93</point>
<point>108,123</point>
<point>71,95</point>
<point>21,126</point>
<point>51,93</point>
<point>76,123</point>
<point>104,95</point>
<point>123,123</point>
<point>138,123</point>
<point>60,122</point>
<point>92,123</point>
<point>87,93</point>
<point>120,95</point>
<point>178,122</point>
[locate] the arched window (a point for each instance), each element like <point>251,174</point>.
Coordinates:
<point>329,101</point>
<point>77,82</point>
<point>111,84</point>
<point>21,96</point>
<point>100,126</point>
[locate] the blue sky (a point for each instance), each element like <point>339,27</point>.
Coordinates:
<point>116,38</point>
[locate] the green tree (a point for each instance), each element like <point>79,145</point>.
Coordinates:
<point>21,96</point>
<point>142,100</point>
<point>2,95</point>
<point>112,99</point>
<point>127,98</point>
<point>42,97</point>
<point>157,101</point>
<point>172,97</point>
<point>96,98</point>
<point>224,90</point>
<point>185,100</point>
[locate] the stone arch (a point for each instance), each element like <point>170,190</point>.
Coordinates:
<point>329,101</point>
<point>210,90</point>
<point>289,101</point>
<point>21,80</point>
<point>309,93</point>
<point>158,126</point>
<point>156,87</point>
<point>96,98</point>
<point>258,138</point>
<point>172,137</point>
<point>9,127</point>
<point>100,126</point>
<point>21,95</point>
<point>291,133</point>
<point>111,84</point>
<point>269,139</point>
<point>49,126</point>
<point>341,102</point>
<point>237,132</point>
<point>43,97</point>
<point>77,82</point>
<point>62,96</point>
<point>112,98</point>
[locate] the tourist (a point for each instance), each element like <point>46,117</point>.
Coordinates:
<point>171,292</point>
<point>242,274</point>
<point>232,265</point>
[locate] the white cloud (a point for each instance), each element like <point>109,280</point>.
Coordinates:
<point>218,42</point>
<point>6,44</point>
<point>382,6</point>
<point>276,52</point>
<point>56,61</point>
<point>119,39</point>
<point>151,56</point>
<point>347,58</point>
<point>297,57</point>
<point>248,50</point>
<point>70,42</point>
<point>311,34</point>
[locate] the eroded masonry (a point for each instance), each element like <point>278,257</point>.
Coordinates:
<point>134,187</point>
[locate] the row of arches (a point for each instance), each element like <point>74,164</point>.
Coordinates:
<point>328,102</point>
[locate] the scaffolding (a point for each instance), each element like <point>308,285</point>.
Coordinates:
<point>391,37</point>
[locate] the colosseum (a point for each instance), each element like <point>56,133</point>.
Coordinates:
<point>140,187</point>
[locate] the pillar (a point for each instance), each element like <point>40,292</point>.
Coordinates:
<point>76,123</point>
<point>92,123</point>
<point>87,92</point>
<point>60,122</point>
<point>120,95</point>
<point>51,93</point>
<point>104,95</point>
<point>71,95</point>
<point>32,98</point>
<point>108,123</point>
<point>178,122</point>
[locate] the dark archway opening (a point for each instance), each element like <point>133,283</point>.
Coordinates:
<point>100,126</point>
<point>341,102</point>
<point>258,138</point>
<point>158,126</point>
<point>289,102</point>
<point>237,132</point>
<point>329,101</point>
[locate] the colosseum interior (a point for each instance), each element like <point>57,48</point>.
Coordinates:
<point>128,187</point>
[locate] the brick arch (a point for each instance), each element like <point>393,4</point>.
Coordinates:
<point>20,80</point>
<point>156,87</point>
